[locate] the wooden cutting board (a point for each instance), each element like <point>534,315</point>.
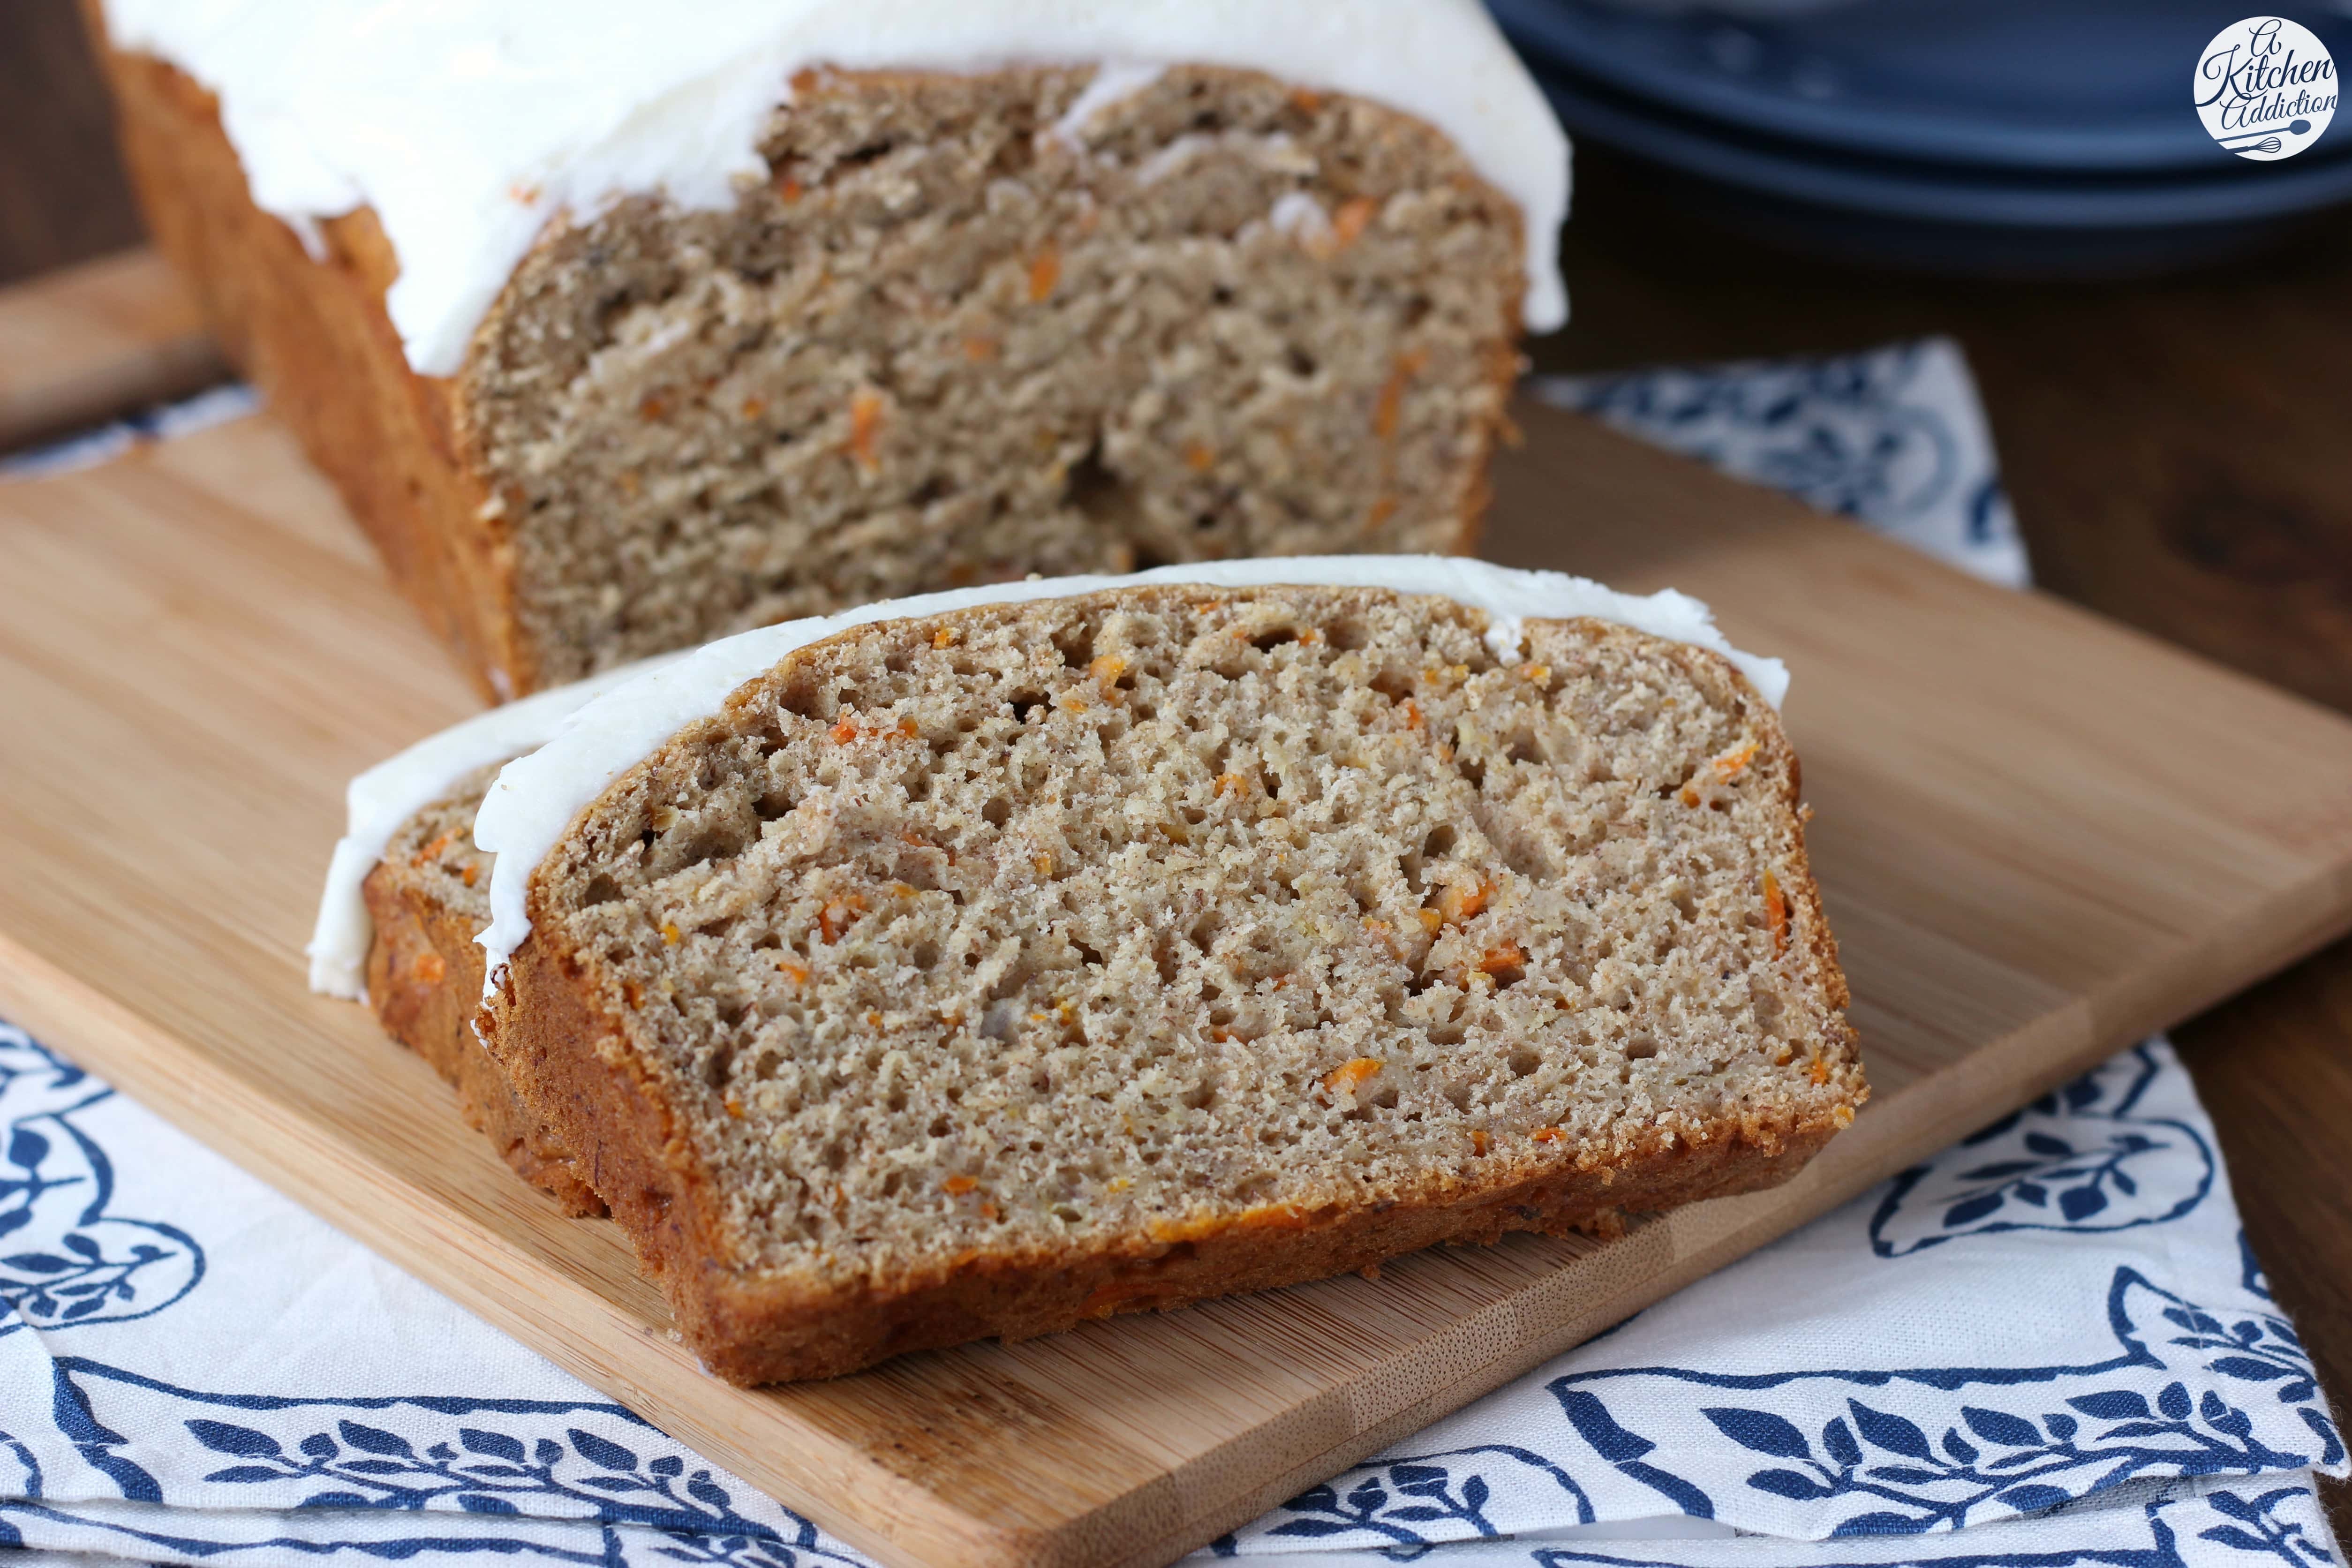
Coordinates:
<point>2040,835</point>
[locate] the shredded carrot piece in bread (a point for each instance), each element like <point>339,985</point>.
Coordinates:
<point>734,1107</point>
<point>1307,99</point>
<point>1045,272</point>
<point>1430,920</point>
<point>790,189</point>
<point>979,349</point>
<point>1232,783</point>
<point>1106,669</point>
<point>1501,960</point>
<point>652,408</point>
<point>1818,1069</point>
<point>956,1187</point>
<point>1457,904</point>
<point>670,935</point>
<point>1390,410</point>
<point>752,408</point>
<point>944,637</point>
<point>430,968</point>
<point>1538,673</point>
<point>1348,223</point>
<point>865,427</point>
<point>1775,912</point>
<point>1548,1135</point>
<point>1351,1074</point>
<point>1733,762</point>
<point>470,874</point>
<point>846,729</point>
<point>792,969</point>
<point>1479,1141</point>
<point>835,918</point>
<point>1199,458</point>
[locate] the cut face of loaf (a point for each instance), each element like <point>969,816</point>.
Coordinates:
<point>980,974</point>
<point>950,343</point>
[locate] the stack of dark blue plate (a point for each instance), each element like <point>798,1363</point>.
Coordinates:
<point>2018,137</point>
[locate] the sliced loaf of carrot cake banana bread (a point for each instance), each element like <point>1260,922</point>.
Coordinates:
<point>620,328</point>
<point>977,964</point>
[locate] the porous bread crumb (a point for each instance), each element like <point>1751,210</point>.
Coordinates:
<point>1152,912</point>
<point>940,346</point>
<point>433,850</point>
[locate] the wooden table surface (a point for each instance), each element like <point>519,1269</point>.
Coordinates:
<point>2175,447</point>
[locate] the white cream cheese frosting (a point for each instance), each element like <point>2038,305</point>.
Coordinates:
<point>381,799</point>
<point>536,796</point>
<point>468,125</point>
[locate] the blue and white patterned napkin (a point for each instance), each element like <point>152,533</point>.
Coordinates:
<point>104,443</point>
<point>2046,1347</point>
<point>2060,1307</point>
<point>1894,436</point>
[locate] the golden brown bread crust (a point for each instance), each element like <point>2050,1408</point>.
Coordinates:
<point>313,334</point>
<point>751,1330</point>
<point>425,982</point>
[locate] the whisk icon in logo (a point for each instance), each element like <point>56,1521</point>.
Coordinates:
<point>2265,88</point>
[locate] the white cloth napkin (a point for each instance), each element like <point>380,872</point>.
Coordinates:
<point>2046,1347</point>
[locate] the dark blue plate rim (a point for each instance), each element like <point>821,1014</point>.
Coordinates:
<point>1554,35</point>
<point>2243,192</point>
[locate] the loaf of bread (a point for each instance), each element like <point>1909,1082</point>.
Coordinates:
<point>969,968</point>
<point>620,329</point>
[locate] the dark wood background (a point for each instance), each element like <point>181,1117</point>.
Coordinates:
<point>2180,451</point>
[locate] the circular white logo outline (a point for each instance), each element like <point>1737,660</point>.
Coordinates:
<point>2264,88</point>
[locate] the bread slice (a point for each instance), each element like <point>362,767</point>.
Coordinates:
<point>427,898</point>
<point>980,973</point>
<point>948,340</point>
